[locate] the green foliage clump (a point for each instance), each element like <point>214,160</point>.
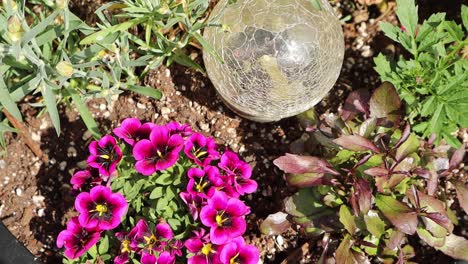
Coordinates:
<point>377,184</point>
<point>158,30</point>
<point>433,81</point>
<point>41,56</point>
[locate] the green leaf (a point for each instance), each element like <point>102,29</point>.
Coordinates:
<point>100,35</point>
<point>104,245</point>
<point>455,246</point>
<point>407,13</point>
<point>411,145</point>
<point>84,112</point>
<point>51,105</point>
<point>464,15</point>
<point>344,254</point>
<point>164,179</point>
<point>436,122</point>
<point>93,252</point>
<point>207,46</point>
<point>7,102</point>
<point>32,33</point>
<point>454,30</point>
<point>398,213</point>
<point>390,30</point>
<point>347,219</point>
<point>147,91</point>
<point>374,224</point>
<point>385,102</point>
<point>156,193</point>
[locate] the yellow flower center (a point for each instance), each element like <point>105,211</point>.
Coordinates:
<point>220,220</point>
<point>101,209</point>
<point>126,246</point>
<point>201,185</point>
<point>207,249</point>
<point>159,154</point>
<point>150,241</point>
<point>233,259</point>
<point>105,156</point>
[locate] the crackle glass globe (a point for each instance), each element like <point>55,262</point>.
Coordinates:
<point>279,57</point>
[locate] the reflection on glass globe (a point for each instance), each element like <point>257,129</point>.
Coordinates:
<point>281,57</point>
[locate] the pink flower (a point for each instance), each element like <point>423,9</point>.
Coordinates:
<point>194,203</point>
<point>105,155</point>
<point>131,130</point>
<point>182,130</point>
<point>239,252</point>
<point>86,178</point>
<point>128,243</point>
<point>100,208</point>
<point>238,173</point>
<point>77,239</point>
<point>205,252</point>
<point>201,149</point>
<point>160,152</point>
<point>203,182</point>
<point>164,258</point>
<point>153,242</point>
<point>224,216</point>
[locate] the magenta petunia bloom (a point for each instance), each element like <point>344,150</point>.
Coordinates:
<point>86,179</point>
<point>131,130</point>
<point>160,152</point>
<point>225,217</point>
<point>203,182</point>
<point>164,258</point>
<point>105,155</point>
<point>201,149</point>
<point>238,173</point>
<point>204,251</point>
<point>179,129</point>
<point>77,239</point>
<point>194,203</point>
<point>128,244</point>
<point>100,208</point>
<point>153,241</point>
<point>239,252</point>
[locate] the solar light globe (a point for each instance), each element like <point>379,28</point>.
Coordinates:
<point>279,57</point>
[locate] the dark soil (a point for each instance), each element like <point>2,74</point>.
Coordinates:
<point>35,200</point>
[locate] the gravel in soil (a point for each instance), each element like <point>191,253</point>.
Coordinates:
<point>35,200</point>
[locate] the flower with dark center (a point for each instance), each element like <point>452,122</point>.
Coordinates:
<point>237,252</point>
<point>100,208</point>
<point>237,173</point>
<point>225,217</point>
<point>86,178</point>
<point>200,245</point>
<point>77,239</point>
<point>201,149</point>
<point>153,241</point>
<point>179,129</point>
<point>159,152</point>
<point>105,155</point>
<point>203,182</point>
<point>131,130</point>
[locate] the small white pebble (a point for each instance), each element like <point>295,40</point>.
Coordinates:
<point>165,111</point>
<point>141,106</point>
<point>2,164</point>
<point>102,107</point>
<point>18,191</point>
<point>35,136</point>
<point>41,212</point>
<point>62,165</point>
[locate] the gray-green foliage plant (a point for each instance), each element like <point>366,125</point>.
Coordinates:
<point>161,30</point>
<point>374,185</point>
<point>433,79</point>
<point>41,56</point>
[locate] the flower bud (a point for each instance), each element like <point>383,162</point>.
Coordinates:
<point>61,4</point>
<point>64,68</point>
<point>11,3</point>
<point>14,25</point>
